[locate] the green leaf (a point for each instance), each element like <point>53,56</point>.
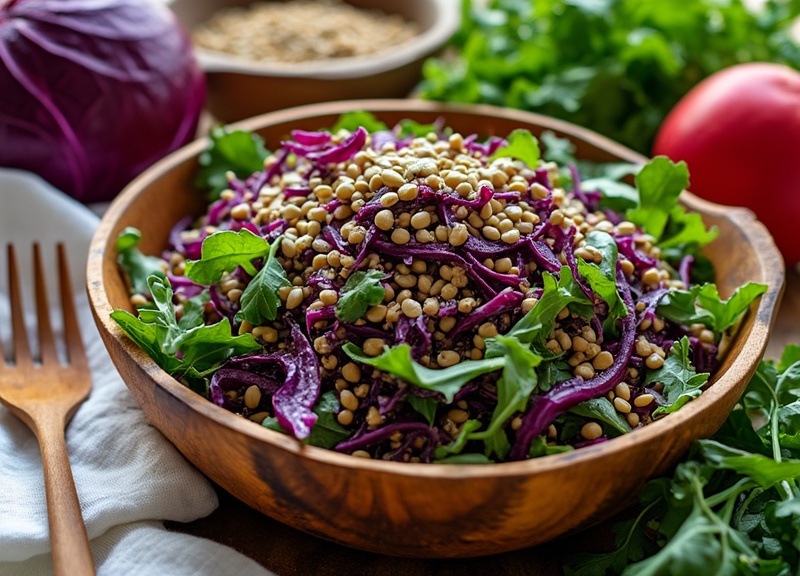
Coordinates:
<point>522,145</point>
<point>681,382</point>
<point>616,196</point>
<point>194,311</point>
<point>408,127</point>
<point>702,304</point>
<point>202,347</point>
<point>763,469</point>
<point>603,278</point>
<point>239,152</point>
<point>457,445</point>
<point>260,301</point>
<point>536,325</point>
<point>136,265</point>
<point>514,389</point>
<point>361,291</point>
<point>447,381</point>
<point>425,406</point>
<point>327,432</point>
<point>727,312</point>
<point>685,229</point>
<point>352,121</point>
<point>223,252</point>
<point>603,410</point>
<point>659,183</point>
<point>790,355</point>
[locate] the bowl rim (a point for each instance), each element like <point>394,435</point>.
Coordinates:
<point>771,265</point>
<point>446,22</point>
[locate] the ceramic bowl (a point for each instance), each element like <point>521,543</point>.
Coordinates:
<point>421,510</point>
<point>239,89</point>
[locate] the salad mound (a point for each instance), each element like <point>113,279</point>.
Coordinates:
<point>420,295</point>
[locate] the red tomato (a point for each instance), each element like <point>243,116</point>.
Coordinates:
<point>739,133</point>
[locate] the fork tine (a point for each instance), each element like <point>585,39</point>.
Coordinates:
<point>72,332</point>
<point>47,344</point>
<point>22,350</point>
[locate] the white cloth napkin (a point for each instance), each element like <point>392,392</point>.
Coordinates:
<point>128,476</point>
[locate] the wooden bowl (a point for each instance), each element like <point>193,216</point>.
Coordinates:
<point>420,510</point>
<point>239,88</point>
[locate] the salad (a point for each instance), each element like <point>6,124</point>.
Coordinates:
<point>420,295</point>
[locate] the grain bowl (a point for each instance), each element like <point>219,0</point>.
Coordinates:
<point>241,87</point>
<point>405,508</point>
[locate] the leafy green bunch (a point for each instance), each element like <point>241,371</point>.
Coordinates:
<point>733,507</point>
<point>614,66</point>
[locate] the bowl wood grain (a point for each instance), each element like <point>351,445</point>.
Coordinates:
<point>417,509</point>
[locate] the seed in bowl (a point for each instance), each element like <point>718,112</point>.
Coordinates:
<point>435,298</point>
<point>302,31</point>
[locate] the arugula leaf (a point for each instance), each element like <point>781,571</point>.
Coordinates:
<point>457,445</point>
<point>685,229</point>
<point>729,508</point>
<point>425,406</point>
<point>603,410</point>
<point>240,152</point>
<point>223,252</point>
<point>136,265</point>
<point>522,145</point>
<point>408,127</point>
<point>603,278</point>
<point>616,195</point>
<point>536,325</point>
<point>202,347</point>
<point>327,432</point>
<point>260,301</point>
<point>681,382</point>
<point>352,121</point>
<point>702,304</point>
<point>447,381</point>
<point>659,183</point>
<point>361,291</point>
<point>514,389</point>
<point>763,469</point>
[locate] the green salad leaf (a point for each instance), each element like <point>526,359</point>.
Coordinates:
<point>361,291</point>
<point>522,145</point>
<point>703,305</point>
<point>659,183</point>
<point>603,277</point>
<point>242,153</point>
<point>202,347</point>
<point>260,300</point>
<point>514,389</point>
<point>447,381</point>
<point>681,381</point>
<point>225,251</point>
<point>536,325</point>
<point>137,266</point>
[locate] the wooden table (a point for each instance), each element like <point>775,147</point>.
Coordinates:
<point>288,552</point>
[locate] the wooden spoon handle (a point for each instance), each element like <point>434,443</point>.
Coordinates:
<point>68,540</point>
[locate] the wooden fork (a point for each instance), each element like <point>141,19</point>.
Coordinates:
<point>45,394</point>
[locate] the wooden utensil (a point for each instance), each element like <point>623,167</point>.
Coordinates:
<point>45,394</point>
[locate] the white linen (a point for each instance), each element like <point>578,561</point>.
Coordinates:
<point>128,476</point>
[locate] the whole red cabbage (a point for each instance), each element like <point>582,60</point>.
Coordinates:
<point>94,91</point>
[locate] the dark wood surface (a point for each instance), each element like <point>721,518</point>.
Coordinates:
<point>288,552</point>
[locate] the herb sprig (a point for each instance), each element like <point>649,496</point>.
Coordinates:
<point>733,506</point>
